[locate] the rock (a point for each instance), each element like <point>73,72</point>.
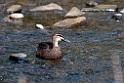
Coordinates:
<point>106,7</point>
<point>91,4</point>
<point>14,9</point>
<point>69,22</point>
<point>122,11</point>
<point>101,8</point>
<point>51,6</point>
<point>39,26</point>
<point>117,17</point>
<point>17,56</point>
<point>74,12</point>
<point>16,16</point>
<point>16,21</point>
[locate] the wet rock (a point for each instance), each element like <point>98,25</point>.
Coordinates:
<point>122,11</point>
<point>51,6</point>
<point>69,22</point>
<point>117,17</point>
<point>101,8</point>
<point>14,9</point>
<point>14,18</point>
<point>74,12</point>
<point>17,56</point>
<point>91,4</point>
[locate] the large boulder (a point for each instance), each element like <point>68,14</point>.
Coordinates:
<point>69,22</point>
<point>74,12</point>
<point>14,9</point>
<point>51,6</point>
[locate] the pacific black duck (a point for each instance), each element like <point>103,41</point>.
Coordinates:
<point>50,50</point>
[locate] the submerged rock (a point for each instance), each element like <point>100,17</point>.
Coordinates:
<point>51,6</point>
<point>69,22</point>
<point>74,12</point>
<point>14,9</point>
<point>17,56</point>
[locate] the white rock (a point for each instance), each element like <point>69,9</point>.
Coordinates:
<point>118,14</point>
<point>19,55</point>
<point>40,26</point>
<point>16,16</point>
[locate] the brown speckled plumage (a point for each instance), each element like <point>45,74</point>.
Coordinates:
<point>50,50</point>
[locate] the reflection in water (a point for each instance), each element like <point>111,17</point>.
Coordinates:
<point>21,79</point>
<point>117,69</point>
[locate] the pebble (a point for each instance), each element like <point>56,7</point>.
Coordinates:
<point>39,26</point>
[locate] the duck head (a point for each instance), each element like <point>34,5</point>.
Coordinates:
<point>57,38</point>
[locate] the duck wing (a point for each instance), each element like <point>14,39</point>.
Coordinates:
<point>45,45</point>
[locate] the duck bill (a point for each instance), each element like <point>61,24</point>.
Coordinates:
<point>66,40</point>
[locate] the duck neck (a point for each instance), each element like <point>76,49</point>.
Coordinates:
<point>55,44</point>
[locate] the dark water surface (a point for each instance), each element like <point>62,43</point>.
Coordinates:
<point>95,54</point>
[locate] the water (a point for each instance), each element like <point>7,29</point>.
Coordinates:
<point>94,55</point>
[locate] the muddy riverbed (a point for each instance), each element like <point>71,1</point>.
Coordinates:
<point>94,55</point>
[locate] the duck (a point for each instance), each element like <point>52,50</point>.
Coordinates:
<point>50,50</point>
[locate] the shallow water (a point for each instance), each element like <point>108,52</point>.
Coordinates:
<point>95,54</point>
